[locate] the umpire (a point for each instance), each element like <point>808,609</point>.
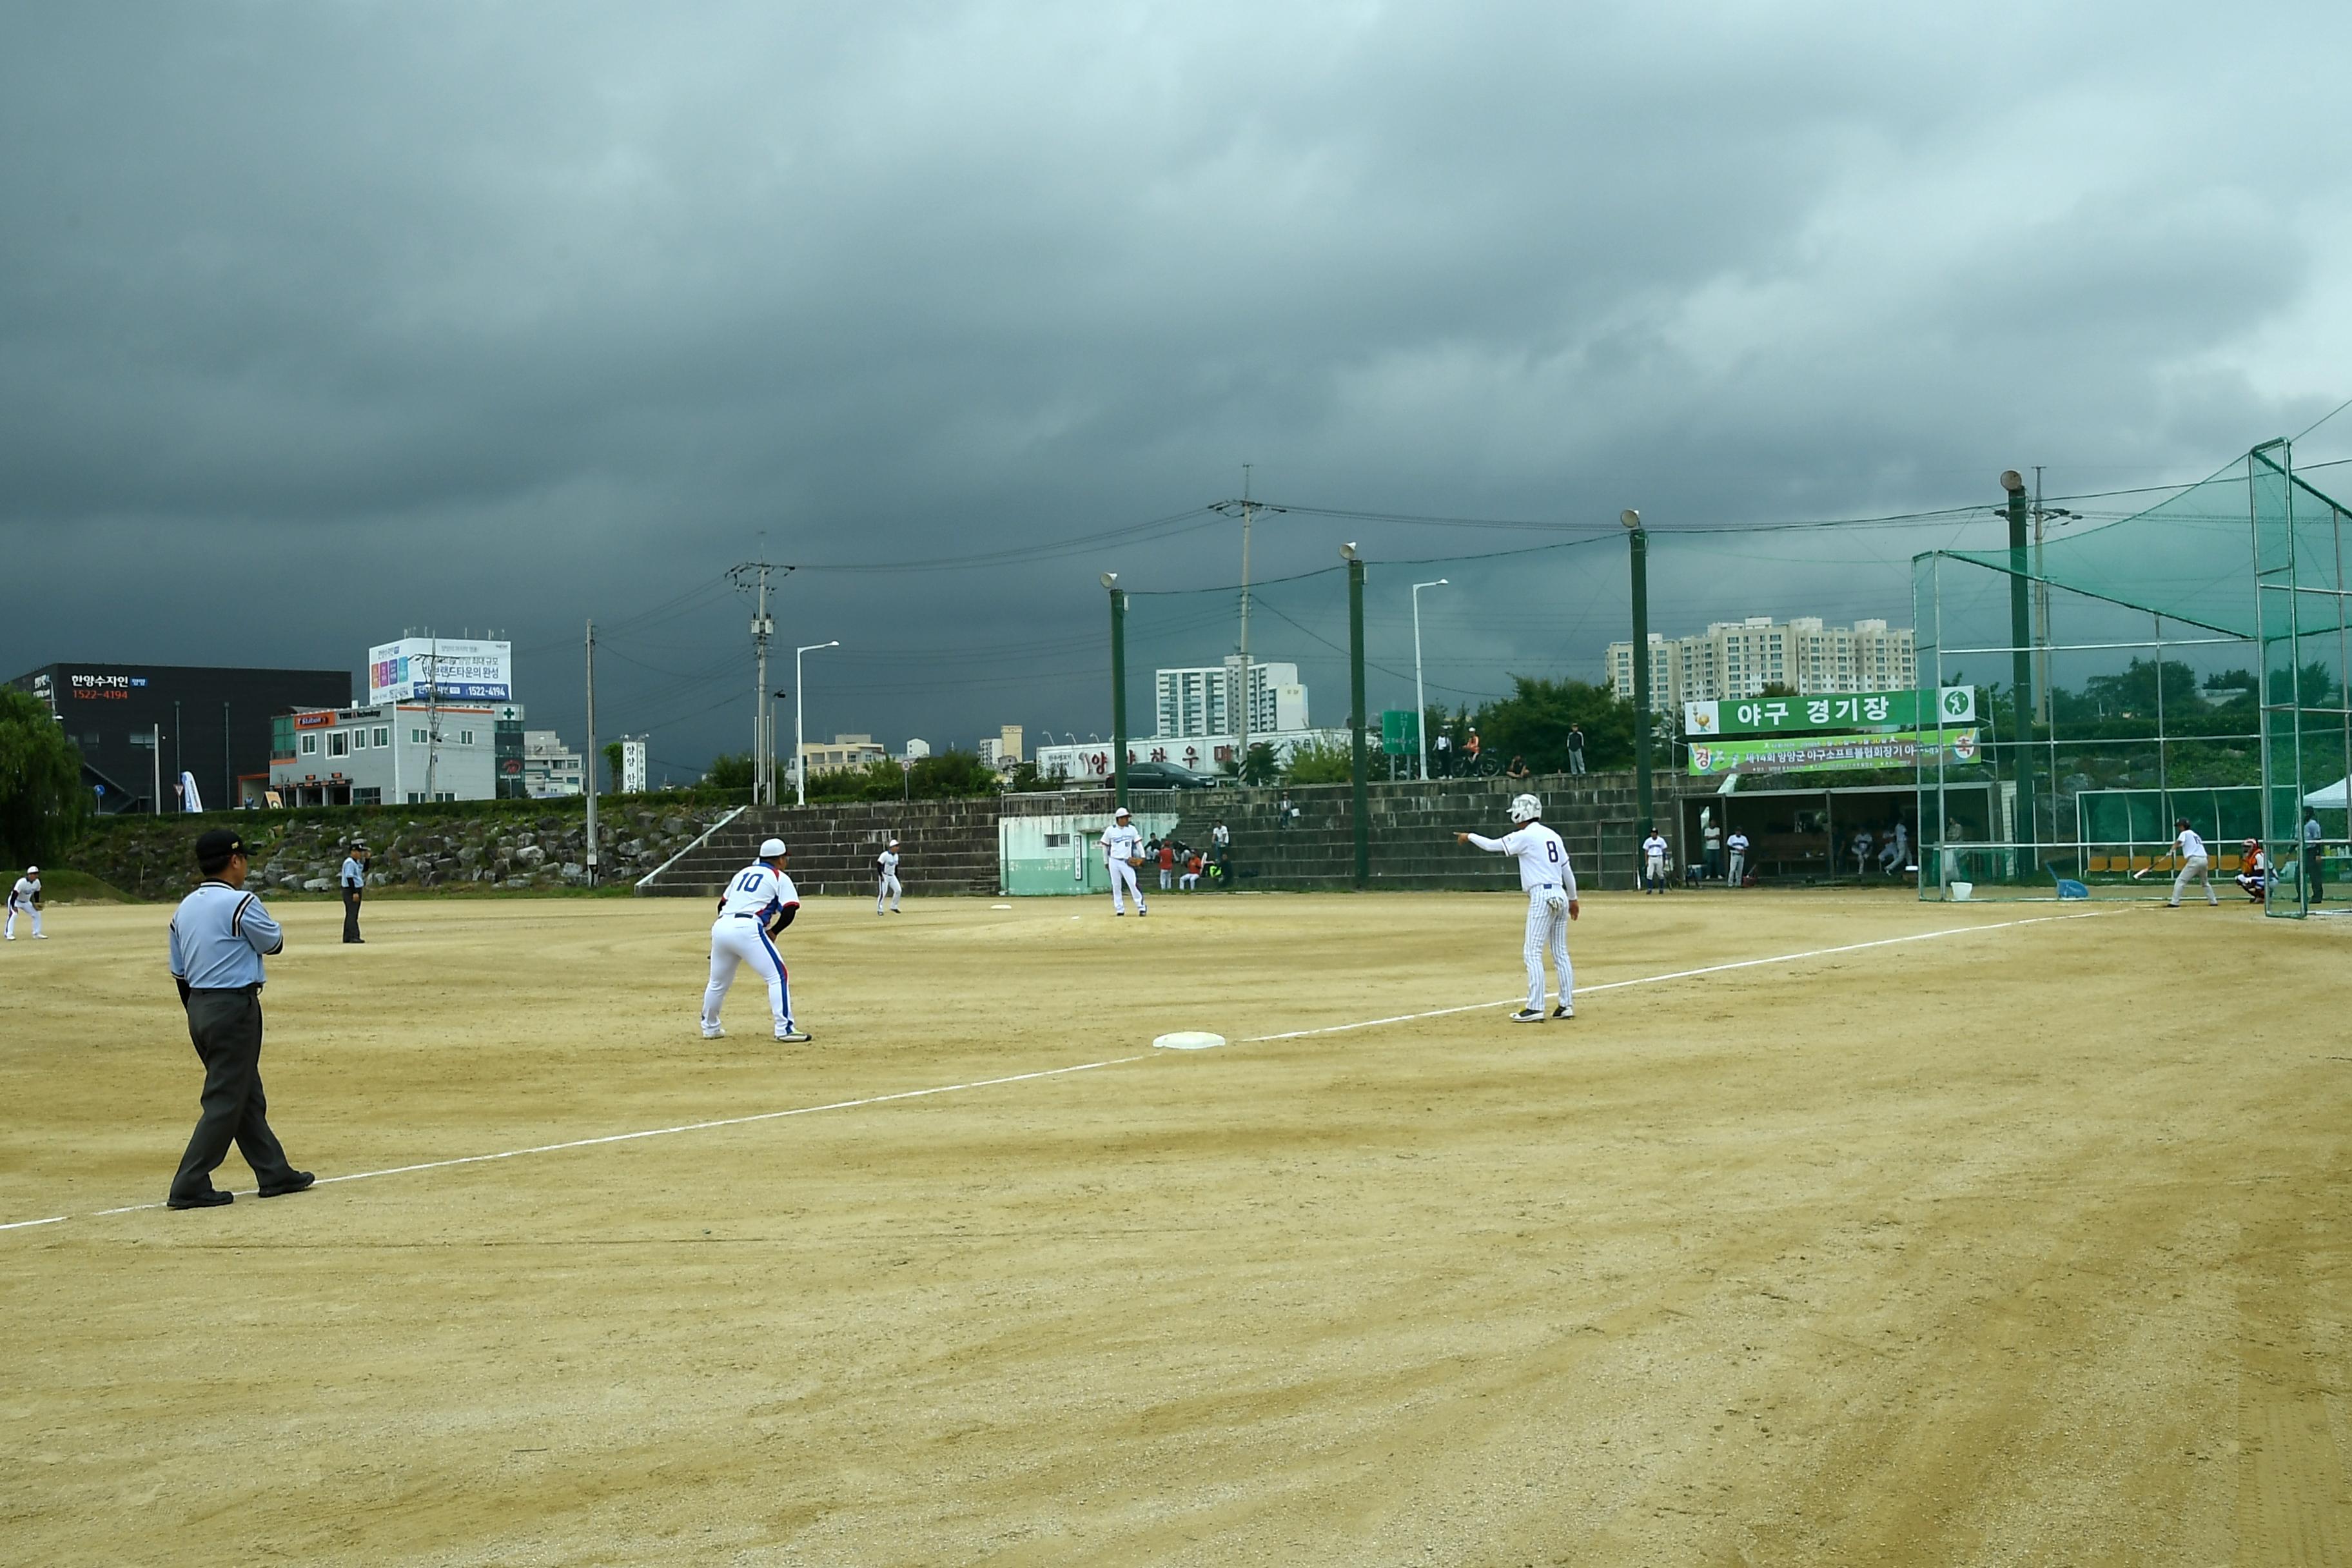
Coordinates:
<point>354,881</point>
<point>219,935</point>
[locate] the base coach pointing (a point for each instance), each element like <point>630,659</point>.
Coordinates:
<point>219,936</point>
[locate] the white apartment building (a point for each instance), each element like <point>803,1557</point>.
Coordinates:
<point>1206,699</point>
<point>1740,658</point>
<point>840,753</point>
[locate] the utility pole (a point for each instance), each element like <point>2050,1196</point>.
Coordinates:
<point>1118,688</point>
<point>229,766</point>
<point>2021,639</point>
<point>1246,510</point>
<point>1640,543</point>
<point>432,722</point>
<point>2041,514</point>
<point>592,752</point>
<point>754,574</point>
<point>1360,811</point>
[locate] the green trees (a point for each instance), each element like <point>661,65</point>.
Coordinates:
<point>42,805</point>
<point>1319,764</point>
<point>1533,723</point>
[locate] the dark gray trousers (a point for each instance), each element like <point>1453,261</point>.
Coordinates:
<point>351,914</point>
<point>226,1028</point>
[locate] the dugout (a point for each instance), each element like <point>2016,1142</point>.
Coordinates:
<point>1798,834</point>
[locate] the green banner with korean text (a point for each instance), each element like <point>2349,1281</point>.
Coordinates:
<point>1829,710</point>
<point>1803,753</point>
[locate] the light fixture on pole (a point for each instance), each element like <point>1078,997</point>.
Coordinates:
<point>800,722</point>
<point>1419,702</point>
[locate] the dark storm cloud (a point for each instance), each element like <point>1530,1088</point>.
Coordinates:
<point>364,317</point>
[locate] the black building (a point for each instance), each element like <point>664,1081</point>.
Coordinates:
<point>136,722</point>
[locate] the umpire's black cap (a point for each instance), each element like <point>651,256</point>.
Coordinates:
<point>214,845</point>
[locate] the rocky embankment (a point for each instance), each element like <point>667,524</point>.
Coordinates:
<point>154,857</point>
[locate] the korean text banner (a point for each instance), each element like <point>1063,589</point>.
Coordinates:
<point>1822,753</point>
<point>449,669</point>
<point>1831,711</point>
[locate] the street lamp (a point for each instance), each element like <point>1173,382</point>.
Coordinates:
<point>800,722</point>
<point>1420,701</point>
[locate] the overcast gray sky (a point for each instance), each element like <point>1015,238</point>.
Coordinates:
<point>321,322</point>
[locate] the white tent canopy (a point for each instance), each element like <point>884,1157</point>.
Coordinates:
<point>2328,799</point>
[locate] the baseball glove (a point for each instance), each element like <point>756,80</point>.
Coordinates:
<point>1135,860</point>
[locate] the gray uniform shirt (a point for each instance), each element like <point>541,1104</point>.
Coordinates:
<point>218,937</point>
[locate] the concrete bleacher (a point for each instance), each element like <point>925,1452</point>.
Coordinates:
<point>947,847</point>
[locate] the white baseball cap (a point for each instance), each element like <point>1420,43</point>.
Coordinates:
<point>894,844</point>
<point>1123,811</point>
<point>32,870</point>
<point>770,849</point>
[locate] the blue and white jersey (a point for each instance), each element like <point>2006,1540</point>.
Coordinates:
<point>354,875</point>
<point>1542,858</point>
<point>218,937</point>
<point>759,892</point>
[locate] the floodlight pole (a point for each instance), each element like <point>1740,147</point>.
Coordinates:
<point>1357,768</point>
<point>1419,701</point>
<point>800,722</point>
<point>2020,642</point>
<point>1639,542</point>
<point>1118,688</point>
<point>591,746</point>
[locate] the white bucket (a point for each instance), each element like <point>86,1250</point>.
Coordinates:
<point>1960,891</point>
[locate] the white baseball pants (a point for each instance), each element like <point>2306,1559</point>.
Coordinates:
<point>1547,933</point>
<point>1123,881</point>
<point>29,910</point>
<point>887,894</point>
<point>2196,865</point>
<point>735,940</point>
<point>1739,866</point>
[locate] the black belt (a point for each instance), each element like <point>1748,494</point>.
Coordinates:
<point>252,990</point>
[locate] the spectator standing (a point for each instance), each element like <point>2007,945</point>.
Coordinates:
<point>1576,748</point>
<point>1167,865</point>
<point>1220,836</point>
<point>1282,813</point>
<point>1738,843</point>
<point>1441,748</point>
<point>1711,836</point>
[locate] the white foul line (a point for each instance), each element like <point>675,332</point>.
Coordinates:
<point>1678,975</point>
<point>1085,1067</point>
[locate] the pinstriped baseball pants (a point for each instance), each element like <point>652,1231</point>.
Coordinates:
<point>1547,933</point>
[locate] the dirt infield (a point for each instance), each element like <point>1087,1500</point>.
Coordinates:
<point>2025,1243</point>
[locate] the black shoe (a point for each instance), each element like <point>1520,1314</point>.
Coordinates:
<point>300,1182</point>
<point>210,1198</point>
<point>1562,1013</point>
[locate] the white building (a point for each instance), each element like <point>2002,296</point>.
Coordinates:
<point>384,754</point>
<point>1002,751</point>
<point>550,770</point>
<point>843,753</point>
<point>1740,658</point>
<point>916,750</point>
<point>1206,699</point>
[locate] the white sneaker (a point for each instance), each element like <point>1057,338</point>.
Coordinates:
<point>1527,1016</point>
<point>1563,1011</point>
<point>714,1034</point>
<point>791,1034</point>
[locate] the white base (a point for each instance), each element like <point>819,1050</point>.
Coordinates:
<point>1189,1040</point>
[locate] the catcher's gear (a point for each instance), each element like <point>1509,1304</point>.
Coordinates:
<point>1525,809</point>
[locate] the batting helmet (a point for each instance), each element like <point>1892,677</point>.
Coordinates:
<point>1526,808</point>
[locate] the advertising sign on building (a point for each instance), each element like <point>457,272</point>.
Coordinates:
<point>444,669</point>
<point>1829,710</point>
<point>1798,753</point>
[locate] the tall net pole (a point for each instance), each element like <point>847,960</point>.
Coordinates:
<point>1358,769</point>
<point>2021,640</point>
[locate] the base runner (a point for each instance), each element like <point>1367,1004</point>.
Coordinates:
<point>1550,884</point>
<point>759,901</point>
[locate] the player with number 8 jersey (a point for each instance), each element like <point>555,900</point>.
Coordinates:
<point>1550,884</point>
<point>759,901</point>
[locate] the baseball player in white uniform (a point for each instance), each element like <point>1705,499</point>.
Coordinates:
<point>25,896</point>
<point>1654,862</point>
<point>885,891</point>
<point>1121,847</point>
<point>1550,884</point>
<point>1738,844</point>
<point>2194,862</point>
<point>759,901</point>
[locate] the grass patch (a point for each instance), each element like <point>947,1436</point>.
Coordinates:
<point>62,887</point>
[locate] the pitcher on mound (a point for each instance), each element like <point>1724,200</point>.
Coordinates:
<point>1122,848</point>
<point>1550,884</point>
